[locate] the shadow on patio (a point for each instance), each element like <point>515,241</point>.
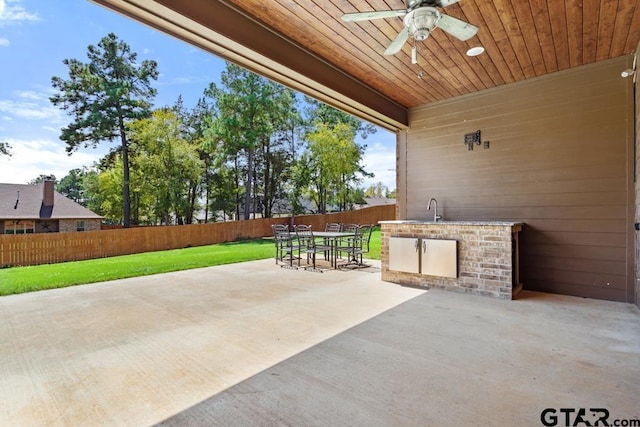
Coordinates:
<point>253,344</point>
<point>445,359</point>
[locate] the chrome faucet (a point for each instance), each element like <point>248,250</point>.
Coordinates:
<point>436,217</point>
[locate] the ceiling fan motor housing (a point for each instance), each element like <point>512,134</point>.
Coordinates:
<point>421,21</point>
<point>414,4</point>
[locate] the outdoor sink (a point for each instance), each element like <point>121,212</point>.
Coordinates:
<point>414,221</point>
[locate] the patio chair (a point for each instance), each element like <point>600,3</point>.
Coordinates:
<point>356,246</point>
<point>350,228</point>
<point>285,244</point>
<point>331,227</point>
<point>347,241</point>
<point>308,244</point>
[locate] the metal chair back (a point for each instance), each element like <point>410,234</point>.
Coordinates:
<point>283,241</point>
<point>332,226</point>
<point>365,231</point>
<point>305,236</point>
<point>308,244</point>
<point>350,228</point>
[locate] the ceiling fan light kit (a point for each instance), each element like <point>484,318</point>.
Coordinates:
<point>421,22</point>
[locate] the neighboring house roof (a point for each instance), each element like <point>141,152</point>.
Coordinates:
<point>19,201</point>
<point>378,201</point>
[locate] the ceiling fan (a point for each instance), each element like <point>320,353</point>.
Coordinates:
<point>420,18</point>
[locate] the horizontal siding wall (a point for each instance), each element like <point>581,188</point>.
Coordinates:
<point>34,249</point>
<point>558,160</point>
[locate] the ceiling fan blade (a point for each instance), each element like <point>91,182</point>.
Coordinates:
<point>445,3</point>
<point>457,28</point>
<point>398,42</point>
<point>367,16</point>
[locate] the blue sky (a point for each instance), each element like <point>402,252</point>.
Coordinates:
<point>37,35</point>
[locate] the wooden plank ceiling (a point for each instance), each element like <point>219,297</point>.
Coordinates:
<point>306,45</point>
<point>523,39</point>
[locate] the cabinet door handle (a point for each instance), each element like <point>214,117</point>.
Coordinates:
<point>424,246</point>
<point>416,245</point>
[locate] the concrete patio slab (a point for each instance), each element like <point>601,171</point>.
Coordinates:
<point>253,344</point>
<point>136,351</point>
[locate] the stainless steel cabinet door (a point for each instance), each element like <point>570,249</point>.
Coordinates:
<point>404,254</point>
<point>439,257</point>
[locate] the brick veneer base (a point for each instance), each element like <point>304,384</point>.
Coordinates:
<point>487,256</point>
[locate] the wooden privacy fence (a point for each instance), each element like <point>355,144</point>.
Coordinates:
<point>34,249</point>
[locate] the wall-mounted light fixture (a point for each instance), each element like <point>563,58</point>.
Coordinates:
<point>628,72</point>
<point>472,138</point>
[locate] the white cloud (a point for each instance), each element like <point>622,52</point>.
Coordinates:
<point>380,158</point>
<point>29,110</point>
<point>182,80</point>
<point>4,41</point>
<point>31,105</point>
<point>51,129</point>
<point>12,12</point>
<point>33,95</point>
<point>32,158</point>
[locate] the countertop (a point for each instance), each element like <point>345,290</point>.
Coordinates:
<point>445,222</point>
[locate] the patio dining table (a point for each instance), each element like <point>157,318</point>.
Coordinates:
<point>333,238</point>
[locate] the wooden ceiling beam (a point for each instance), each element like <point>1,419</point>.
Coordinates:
<point>220,28</point>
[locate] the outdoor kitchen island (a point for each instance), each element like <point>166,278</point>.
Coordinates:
<point>479,257</point>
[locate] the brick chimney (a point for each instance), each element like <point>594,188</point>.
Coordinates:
<point>47,196</point>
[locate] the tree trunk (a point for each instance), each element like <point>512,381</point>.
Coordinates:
<point>206,186</point>
<point>255,196</point>
<point>125,174</point>
<point>249,184</point>
<point>237,180</point>
<point>193,196</point>
<point>266,213</point>
<point>136,208</point>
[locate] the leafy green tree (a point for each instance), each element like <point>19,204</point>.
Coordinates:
<point>314,177</point>
<point>92,198</point>
<point>329,165</point>
<point>247,112</point>
<point>320,113</point>
<point>376,190</point>
<point>103,192</point>
<point>276,152</point>
<point>358,196</point>
<point>223,190</point>
<point>193,130</point>
<point>167,163</point>
<point>72,186</point>
<point>102,97</point>
<point>226,165</point>
<point>42,178</point>
<point>108,184</point>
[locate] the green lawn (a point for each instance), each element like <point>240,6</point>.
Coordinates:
<point>17,280</point>
<point>374,244</point>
